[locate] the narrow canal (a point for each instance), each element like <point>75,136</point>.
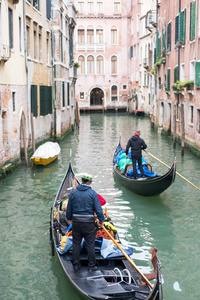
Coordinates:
<point>170,221</point>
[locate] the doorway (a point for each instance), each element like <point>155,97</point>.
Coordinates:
<point>96,96</point>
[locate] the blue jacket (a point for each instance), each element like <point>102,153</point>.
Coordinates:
<point>83,202</point>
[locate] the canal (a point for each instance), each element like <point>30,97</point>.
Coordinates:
<point>169,221</point>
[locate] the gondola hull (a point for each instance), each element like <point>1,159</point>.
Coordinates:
<point>105,283</point>
<point>149,186</point>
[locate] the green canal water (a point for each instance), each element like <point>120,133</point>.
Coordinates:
<point>169,221</point>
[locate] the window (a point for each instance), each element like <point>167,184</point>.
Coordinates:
<point>90,64</point>
<point>90,36</point>
<point>81,61</point>
<point>48,9</point>
<point>82,96</point>
<point>116,7</point>
<point>81,7</point>
<point>36,4</point>
<point>191,114</point>
<point>100,65</point>
<point>131,52</point>
<point>114,93</point>
<point>99,36</point>
<point>197,77</point>
<point>20,34</point>
<point>192,20</point>
<point>28,39</point>
<point>99,7</point>
<point>40,47</point>
<point>192,72</point>
<point>113,64</point>
<point>182,75</point>
<point>198,120</point>
<point>177,112</point>
<point>47,48</point>
<point>68,94</point>
<point>63,94</point>
<point>113,36</point>
<point>176,75</point>
<point>169,37</point>
<point>124,87</point>
<point>90,7</point>
<point>13,101</point>
<point>10,20</point>
<point>35,43</point>
<point>81,36</point>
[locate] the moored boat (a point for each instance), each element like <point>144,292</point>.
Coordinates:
<point>115,278</point>
<point>148,186</point>
<point>46,153</point>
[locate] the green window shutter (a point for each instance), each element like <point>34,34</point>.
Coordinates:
<point>168,78</point>
<point>131,51</point>
<point>70,49</point>
<point>177,29</point>
<point>49,97</point>
<point>61,46</point>
<point>197,77</point>
<point>182,24</point>
<point>34,100</point>
<point>63,94</point>
<point>192,20</point>
<point>163,43</point>
<point>158,47</point>
<point>176,75</point>
<point>42,101</point>
<point>68,95</point>
<point>169,37</point>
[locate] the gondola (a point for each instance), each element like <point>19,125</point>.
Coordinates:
<point>148,186</point>
<point>115,277</point>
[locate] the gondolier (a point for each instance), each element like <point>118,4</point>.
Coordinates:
<point>136,144</point>
<point>83,202</point>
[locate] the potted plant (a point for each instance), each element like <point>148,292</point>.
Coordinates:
<point>76,65</point>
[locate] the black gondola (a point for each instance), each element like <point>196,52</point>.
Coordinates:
<point>148,186</point>
<point>115,278</point>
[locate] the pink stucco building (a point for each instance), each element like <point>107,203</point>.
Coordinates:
<point>102,49</point>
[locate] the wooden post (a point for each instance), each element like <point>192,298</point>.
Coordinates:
<point>182,130</point>
<point>32,132</point>
<point>174,127</point>
<point>24,139</point>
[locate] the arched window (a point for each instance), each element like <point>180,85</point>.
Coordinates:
<point>90,64</point>
<point>100,65</point>
<point>114,35</point>
<point>99,35</point>
<point>114,64</point>
<point>114,93</point>
<point>81,61</point>
<point>90,35</point>
<point>81,36</point>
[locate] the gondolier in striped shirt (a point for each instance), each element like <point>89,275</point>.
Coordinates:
<point>136,144</point>
<point>83,203</point>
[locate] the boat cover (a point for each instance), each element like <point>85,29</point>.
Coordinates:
<point>47,150</point>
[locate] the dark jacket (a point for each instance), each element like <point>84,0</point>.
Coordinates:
<point>136,144</point>
<point>83,202</point>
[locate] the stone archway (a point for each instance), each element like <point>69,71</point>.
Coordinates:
<point>96,97</point>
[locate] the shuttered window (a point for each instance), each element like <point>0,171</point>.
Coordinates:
<point>176,77</point>
<point>68,95</point>
<point>71,49</point>
<point>34,100</point>
<point>192,20</point>
<point>63,94</point>
<point>168,78</point>
<point>48,9</point>
<point>197,76</point>
<point>169,37</point>
<point>61,45</point>
<point>163,43</point>
<point>177,29</point>
<point>158,47</point>
<point>45,100</point>
<point>131,51</point>
<point>182,25</point>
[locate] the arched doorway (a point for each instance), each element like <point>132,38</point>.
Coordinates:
<point>96,96</point>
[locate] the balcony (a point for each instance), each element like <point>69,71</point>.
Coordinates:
<point>96,47</point>
<point>73,72</point>
<point>150,20</point>
<point>4,52</point>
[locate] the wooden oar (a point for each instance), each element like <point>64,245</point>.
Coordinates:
<point>126,255</point>
<point>170,168</point>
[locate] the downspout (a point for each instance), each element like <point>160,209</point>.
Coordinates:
<point>53,73</point>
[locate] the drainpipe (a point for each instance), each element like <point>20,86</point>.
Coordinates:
<point>53,73</point>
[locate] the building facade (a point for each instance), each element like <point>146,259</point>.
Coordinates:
<point>178,78</point>
<point>102,52</point>
<point>37,82</point>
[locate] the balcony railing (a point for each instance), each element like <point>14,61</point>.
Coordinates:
<point>91,47</point>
